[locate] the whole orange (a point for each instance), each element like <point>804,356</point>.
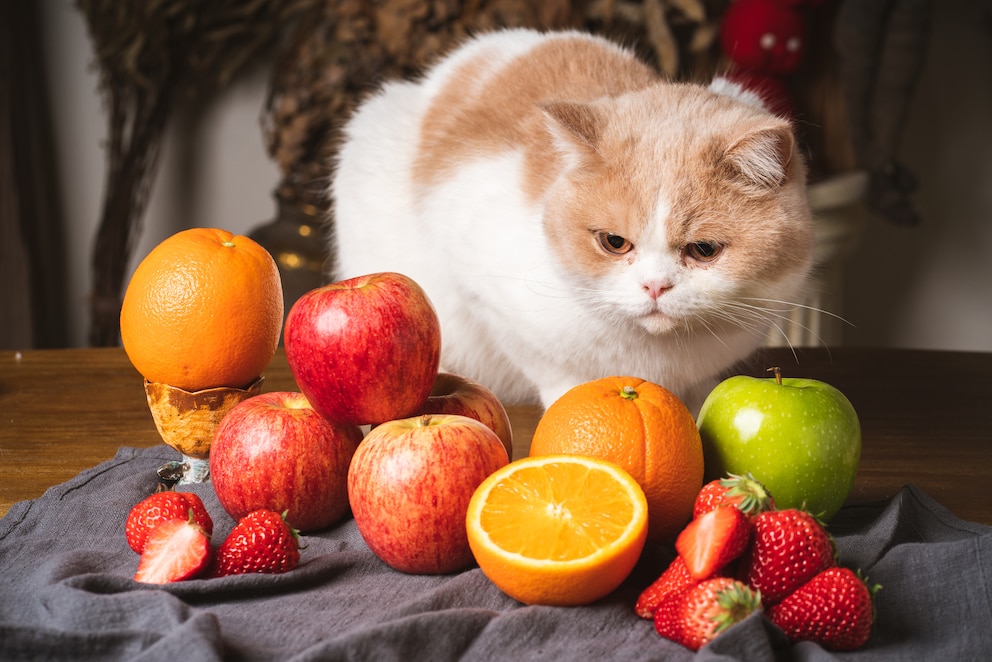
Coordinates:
<point>640,426</point>
<point>202,310</point>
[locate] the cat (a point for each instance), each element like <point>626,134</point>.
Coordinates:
<point>572,215</point>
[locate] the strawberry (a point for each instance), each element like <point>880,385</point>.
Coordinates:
<point>261,542</point>
<point>162,507</point>
<point>713,540</point>
<point>745,492</point>
<point>674,579</point>
<point>175,550</point>
<point>834,609</point>
<point>789,548</point>
<point>694,616</point>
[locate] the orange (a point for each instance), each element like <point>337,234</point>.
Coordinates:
<point>559,530</point>
<point>641,426</point>
<point>202,310</point>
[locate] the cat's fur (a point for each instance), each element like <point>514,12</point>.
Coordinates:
<point>499,179</point>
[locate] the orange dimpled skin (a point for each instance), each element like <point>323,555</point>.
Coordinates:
<point>202,310</point>
<point>640,426</point>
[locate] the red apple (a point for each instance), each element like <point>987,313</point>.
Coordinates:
<point>275,451</point>
<point>457,394</point>
<point>364,350</point>
<point>409,485</point>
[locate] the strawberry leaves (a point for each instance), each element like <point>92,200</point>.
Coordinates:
<point>745,492</point>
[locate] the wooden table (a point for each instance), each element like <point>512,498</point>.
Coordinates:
<point>926,417</point>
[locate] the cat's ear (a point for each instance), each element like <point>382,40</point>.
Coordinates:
<point>575,129</point>
<point>760,158</point>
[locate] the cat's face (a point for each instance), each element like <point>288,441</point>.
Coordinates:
<point>691,219</point>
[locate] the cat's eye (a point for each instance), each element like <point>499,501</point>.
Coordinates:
<point>703,251</point>
<point>614,243</point>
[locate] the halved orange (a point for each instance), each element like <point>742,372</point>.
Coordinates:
<point>560,530</point>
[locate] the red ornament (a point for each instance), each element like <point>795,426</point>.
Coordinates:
<point>765,40</point>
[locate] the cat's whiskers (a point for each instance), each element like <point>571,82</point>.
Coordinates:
<point>790,305</point>
<point>785,315</point>
<point>753,323</point>
<point>774,324</point>
<point>690,329</point>
<point>751,317</point>
<point>781,312</point>
<point>547,289</point>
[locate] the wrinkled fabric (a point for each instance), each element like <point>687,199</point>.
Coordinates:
<point>66,593</point>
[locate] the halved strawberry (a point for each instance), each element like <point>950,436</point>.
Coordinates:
<point>161,507</point>
<point>835,609</point>
<point>789,548</point>
<point>175,550</point>
<point>693,617</point>
<point>713,540</point>
<point>745,492</point>
<point>674,579</point>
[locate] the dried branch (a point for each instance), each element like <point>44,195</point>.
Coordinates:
<point>151,55</point>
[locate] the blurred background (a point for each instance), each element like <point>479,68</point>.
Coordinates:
<point>920,277</point>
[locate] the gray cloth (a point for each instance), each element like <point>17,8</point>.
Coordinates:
<point>66,593</point>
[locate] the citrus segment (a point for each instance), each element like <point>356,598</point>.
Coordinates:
<point>203,309</point>
<point>557,530</point>
<point>640,426</point>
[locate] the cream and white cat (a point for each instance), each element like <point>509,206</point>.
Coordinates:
<point>573,216</point>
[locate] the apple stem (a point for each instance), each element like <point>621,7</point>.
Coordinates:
<point>778,374</point>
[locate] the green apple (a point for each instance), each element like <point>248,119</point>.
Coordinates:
<point>800,437</point>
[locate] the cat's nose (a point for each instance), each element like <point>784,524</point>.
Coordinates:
<point>655,288</point>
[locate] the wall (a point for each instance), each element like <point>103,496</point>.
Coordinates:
<point>928,287</point>
<point>931,287</point>
<point>213,171</point>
